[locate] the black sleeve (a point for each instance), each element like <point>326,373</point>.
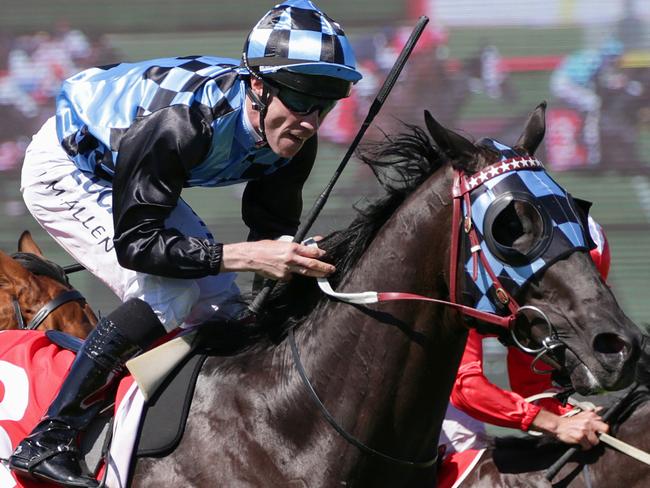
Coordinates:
<point>272,205</point>
<point>155,156</point>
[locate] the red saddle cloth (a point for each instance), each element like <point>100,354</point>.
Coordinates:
<point>31,372</point>
<point>32,369</point>
<point>457,466</point>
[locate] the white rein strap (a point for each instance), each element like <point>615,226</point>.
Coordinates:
<point>367,297</point>
<point>611,441</point>
<point>358,298</point>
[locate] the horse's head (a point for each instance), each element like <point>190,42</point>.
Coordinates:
<point>40,297</point>
<point>525,254</point>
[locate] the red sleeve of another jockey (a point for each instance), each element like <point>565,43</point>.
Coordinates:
<point>475,395</point>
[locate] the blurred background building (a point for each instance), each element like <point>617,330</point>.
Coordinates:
<point>481,67</point>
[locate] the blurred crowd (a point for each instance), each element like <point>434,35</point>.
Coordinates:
<point>593,97</point>
<point>32,67</point>
<point>431,79</point>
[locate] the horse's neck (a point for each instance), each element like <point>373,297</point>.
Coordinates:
<point>409,254</point>
<point>394,362</point>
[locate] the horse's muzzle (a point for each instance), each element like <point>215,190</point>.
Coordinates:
<point>617,354</point>
<point>610,365</point>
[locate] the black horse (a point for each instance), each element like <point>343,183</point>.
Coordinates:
<point>385,372</point>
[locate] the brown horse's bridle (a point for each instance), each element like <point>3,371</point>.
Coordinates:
<point>462,186</point>
<point>47,268</point>
<point>38,318</point>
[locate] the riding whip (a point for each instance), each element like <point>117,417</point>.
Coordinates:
<point>262,296</point>
<point>562,460</point>
<point>73,268</point>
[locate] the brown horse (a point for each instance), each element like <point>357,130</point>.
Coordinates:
<point>383,373</point>
<point>40,297</point>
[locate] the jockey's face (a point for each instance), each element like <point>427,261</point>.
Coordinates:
<point>286,131</point>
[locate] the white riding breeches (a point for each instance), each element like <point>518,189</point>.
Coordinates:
<point>575,95</point>
<point>75,208</point>
<point>461,432</point>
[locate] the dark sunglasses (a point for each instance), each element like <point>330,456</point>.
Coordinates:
<point>301,103</point>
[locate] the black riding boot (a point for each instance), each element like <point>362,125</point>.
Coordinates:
<point>51,451</point>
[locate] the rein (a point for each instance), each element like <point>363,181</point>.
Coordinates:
<point>332,421</point>
<point>611,414</point>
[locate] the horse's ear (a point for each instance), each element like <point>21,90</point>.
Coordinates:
<point>11,271</point>
<point>26,244</point>
<point>534,130</point>
<point>451,143</point>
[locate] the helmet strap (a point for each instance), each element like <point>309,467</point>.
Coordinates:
<point>259,104</point>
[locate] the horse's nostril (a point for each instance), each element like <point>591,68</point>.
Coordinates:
<point>609,343</point>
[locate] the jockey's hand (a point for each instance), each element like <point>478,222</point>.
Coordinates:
<point>275,259</point>
<point>582,429</point>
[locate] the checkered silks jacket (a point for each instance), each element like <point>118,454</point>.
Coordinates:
<point>99,106</point>
<point>155,127</point>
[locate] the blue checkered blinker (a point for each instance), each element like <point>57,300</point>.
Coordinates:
<point>296,36</point>
<point>524,222</point>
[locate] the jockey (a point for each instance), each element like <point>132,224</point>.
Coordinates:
<point>575,80</point>
<point>474,399</point>
<point>104,178</point>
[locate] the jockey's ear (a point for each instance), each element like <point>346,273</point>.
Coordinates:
<point>26,244</point>
<point>534,130</point>
<point>451,143</point>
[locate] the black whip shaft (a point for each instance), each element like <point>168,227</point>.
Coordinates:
<point>262,296</point>
<point>73,268</point>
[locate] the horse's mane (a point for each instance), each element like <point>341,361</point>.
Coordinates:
<point>400,164</point>
<point>42,267</point>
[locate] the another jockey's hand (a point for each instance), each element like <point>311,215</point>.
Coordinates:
<point>275,259</point>
<point>582,429</point>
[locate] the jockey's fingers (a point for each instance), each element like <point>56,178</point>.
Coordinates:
<point>309,251</point>
<point>601,426</point>
<point>585,444</point>
<point>592,438</point>
<point>312,267</point>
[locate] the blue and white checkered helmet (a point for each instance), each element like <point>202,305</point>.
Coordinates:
<point>297,37</point>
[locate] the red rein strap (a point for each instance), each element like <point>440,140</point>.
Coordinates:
<point>472,312</point>
<point>460,191</point>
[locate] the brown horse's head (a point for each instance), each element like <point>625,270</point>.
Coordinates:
<point>24,293</point>
<point>533,235</point>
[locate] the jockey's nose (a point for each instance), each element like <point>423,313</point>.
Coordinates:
<point>311,121</point>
